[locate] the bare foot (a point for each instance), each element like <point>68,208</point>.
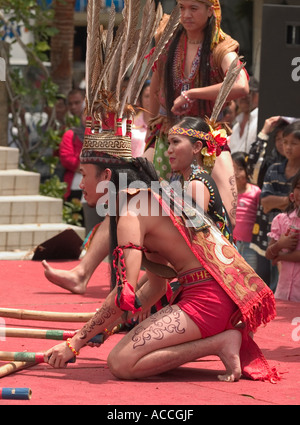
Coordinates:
<point>229,354</point>
<point>72,280</point>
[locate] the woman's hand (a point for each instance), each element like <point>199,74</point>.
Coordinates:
<point>58,356</point>
<point>180,106</point>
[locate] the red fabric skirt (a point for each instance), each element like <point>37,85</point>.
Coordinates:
<point>205,302</point>
<point>208,305</point>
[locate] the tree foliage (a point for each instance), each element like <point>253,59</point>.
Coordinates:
<point>31,89</point>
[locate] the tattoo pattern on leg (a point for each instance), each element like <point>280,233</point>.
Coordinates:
<point>232,184</point>
<point>166,321</point>
<point>99,318</point>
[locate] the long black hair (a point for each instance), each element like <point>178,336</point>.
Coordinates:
<point>139,170</point>
<point>204,68</point>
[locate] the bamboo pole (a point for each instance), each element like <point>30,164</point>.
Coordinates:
<point>26,357</point>
<point>53,334</point>
<point>15,393</point>
<point>12,367</point>
<point>45,315</point>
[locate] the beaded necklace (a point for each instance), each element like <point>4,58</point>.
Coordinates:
<point>179,64</point>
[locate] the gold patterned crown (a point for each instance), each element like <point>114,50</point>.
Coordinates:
<point>109,56</point>
<point>106,146</point>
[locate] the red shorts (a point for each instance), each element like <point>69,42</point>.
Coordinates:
<point>206,303</point>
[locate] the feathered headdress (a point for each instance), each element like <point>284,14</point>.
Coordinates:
<point>109,57</point>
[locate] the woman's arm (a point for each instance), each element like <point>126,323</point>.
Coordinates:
<point>239,89</point>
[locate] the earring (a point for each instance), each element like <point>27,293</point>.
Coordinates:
<point>194,165</point>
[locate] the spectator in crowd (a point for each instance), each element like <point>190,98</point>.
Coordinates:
<point>140,122</point>
<point>267,149</point>
<point>248,200</point>
<point>277,182</point>
<point>284,246</point>
<point>229,113</point>
<point>76,102</point>
<point>244,131</point>
<point>69,152</point>
<point>258,163</point>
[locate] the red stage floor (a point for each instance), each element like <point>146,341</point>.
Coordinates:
<point>89,382</point>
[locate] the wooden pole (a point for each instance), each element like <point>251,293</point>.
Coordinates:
<point>45,315</point>
<point>54,334</point>
<point>26,356</point>
<point>12,367</point>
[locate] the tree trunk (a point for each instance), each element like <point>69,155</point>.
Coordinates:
<point>62,45</point>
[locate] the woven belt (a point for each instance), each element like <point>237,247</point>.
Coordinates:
<point>194,276</point>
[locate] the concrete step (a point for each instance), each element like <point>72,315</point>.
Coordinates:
<point>16,182</point>
<point>9,158</point>
<point>30,209</point>
<point>28,236</point>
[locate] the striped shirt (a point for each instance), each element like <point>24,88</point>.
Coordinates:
<point>276,184</point>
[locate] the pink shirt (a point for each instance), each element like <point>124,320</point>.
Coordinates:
<point>246,214</point>
<point>288,286</point>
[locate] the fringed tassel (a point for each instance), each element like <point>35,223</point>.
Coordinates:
<point>261,313</point>
<point>253,363</point>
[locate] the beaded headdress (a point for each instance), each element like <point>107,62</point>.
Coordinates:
<point>110,55</point>
<point>214,141</point>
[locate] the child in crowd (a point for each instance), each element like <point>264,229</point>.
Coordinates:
<point>248,200</point>
<point>284,246</point>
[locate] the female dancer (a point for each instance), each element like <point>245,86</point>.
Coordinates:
<point>186,81</point>
<point>192,153</point>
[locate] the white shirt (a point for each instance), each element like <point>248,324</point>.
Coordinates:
<point>238,143</point>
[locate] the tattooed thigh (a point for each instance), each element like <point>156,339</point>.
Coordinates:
<point>159,325</point>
